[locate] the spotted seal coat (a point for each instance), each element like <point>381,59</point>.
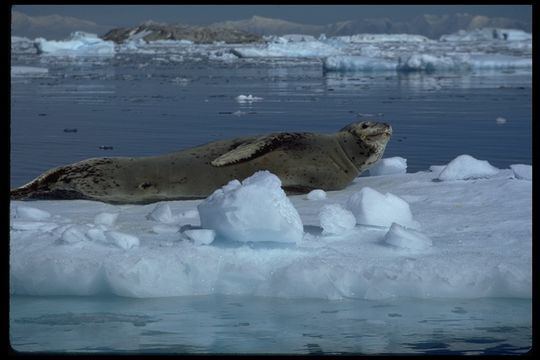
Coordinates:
<point>303,162</point>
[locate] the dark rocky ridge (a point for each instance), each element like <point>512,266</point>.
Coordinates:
<point>197,34</point>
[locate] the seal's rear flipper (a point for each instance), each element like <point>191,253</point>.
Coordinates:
<point>258,147</point>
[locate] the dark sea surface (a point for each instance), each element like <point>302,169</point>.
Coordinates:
<point>164,107</point>
<point>140,105</point>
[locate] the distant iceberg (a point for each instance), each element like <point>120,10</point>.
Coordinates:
<point>487,34</point>
<point>78,44</point>
<point>290,49</point>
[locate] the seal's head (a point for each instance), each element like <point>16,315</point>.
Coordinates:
<point>370,139</point>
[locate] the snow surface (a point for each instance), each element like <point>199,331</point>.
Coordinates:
<point>465,167</point>
<point>522,171</point>
<point>389,166</point>
<point>480,233</point>
<point>78,44</point>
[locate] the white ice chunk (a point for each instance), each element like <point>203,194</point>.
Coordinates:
<point>289,49</point>
<point>247,98</point>
<point>74,234</point>
<point>122,240</point>
<point>370,207</point>
<point>255,210</point>
<point>522,171</point>
<point>466,167</point>
<point>105,219</point>
<point>31,213</point>
<point>357,63</point>
<point>500,120</point>
<point>404,238</point>
<point>97,234</point>
<point>200,236</point>
<point>165,229</point>
<point>317,194</point>
<point>389,166</point>
<point>335,220</point>
<point>162,213</point>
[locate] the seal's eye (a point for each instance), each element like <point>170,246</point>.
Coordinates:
<point>364,126</point>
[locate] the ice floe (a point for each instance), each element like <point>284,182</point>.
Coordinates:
<point>475,241</point>
<point>78,44</point>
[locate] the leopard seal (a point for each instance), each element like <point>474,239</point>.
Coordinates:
<point>303,161</point>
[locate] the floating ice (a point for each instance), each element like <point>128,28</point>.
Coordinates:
<point>78,44</point>
<point>370,207</point>
<point>389,166</point>
<point>247,98</point>
<point>357,63</point>
<point>500,120</point>
<point>31,213</point>
<point>200,236</point>
<point>378,38</point>
<point>487,34</point>
<point>466,167</point>
<point>522,171</point>
<point>316,194</point>
<point>403,238</point>
<point>255,210</point>
<point>429,62</point>
<point>335,220</point>
<point>28,71</point>
<point>122,240</point>
<point>289,49</point>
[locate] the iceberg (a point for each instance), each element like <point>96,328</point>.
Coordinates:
<point>302,49</point>
<point>487,34</point>
<point>78,44</point>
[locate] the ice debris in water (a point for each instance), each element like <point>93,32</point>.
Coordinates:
<point>466,167</point>
<point>31,213</point>
<point>388,166</point>
<point>500,120</point>
<point>247,98</point>
<point>316,194</point>
<point>200,236</point>
<point>335,220</point>
<point>255,210</point>
<point>522,171</point>
<point>409,239</point>
<point>370,207</point>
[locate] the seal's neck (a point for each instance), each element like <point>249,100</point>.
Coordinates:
<point>361,153</point>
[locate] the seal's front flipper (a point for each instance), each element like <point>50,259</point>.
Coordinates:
<point>258,147</point>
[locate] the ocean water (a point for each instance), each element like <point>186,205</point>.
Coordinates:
<point>140,105</point>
